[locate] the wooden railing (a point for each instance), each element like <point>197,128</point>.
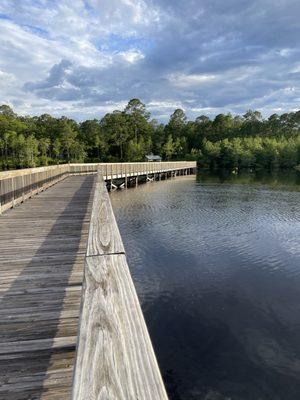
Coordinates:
<point>16,186</point>
<point>119,170</point>
<point>115,359</point>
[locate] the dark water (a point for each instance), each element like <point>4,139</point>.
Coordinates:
<point>216,263</point>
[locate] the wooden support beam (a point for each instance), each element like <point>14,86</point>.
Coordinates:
<point>112,185</point>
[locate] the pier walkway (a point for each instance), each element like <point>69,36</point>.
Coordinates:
<point>71,325</point>
<point>42,250</point>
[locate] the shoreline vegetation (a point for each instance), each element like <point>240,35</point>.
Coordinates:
<point>225,142</point>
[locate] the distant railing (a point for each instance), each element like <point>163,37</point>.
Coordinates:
<point>18,185</point>
<point>115,358</point>
<point>120,170</point>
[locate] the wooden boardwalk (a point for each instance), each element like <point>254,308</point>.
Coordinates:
<point>63,265</point>
<point>42,250</point>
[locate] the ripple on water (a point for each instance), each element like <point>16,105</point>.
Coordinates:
<point>217,269</point>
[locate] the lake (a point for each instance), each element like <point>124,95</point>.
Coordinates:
<point>216,264</point>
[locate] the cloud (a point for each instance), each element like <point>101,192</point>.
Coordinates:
<point>55,78</point>
<point>81,58</point>
<point>191,80</point>
<point>132,56</point>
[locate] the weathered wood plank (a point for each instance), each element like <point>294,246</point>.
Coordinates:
<point>31,377</point>
<point>37,345</point>
<point>104,236</point>
<point>115,358</point>
<point>42,250</point>
<point>18,185</point>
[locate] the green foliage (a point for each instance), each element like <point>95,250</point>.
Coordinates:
<point>169,147</point>
<point>257,152</point>
<point>227,141</point>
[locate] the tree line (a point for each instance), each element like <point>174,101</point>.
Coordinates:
<point>227,141</point>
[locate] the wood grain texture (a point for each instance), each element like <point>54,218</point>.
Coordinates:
<point>43,247</point>
<point>104,236</point>
<point>42,252</point>
<point>115,358</point>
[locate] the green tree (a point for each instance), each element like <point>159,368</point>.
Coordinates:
<point>7,111</point>
<point>68,140</point>
<point>227,141</point>
<point>30,151</point>
<point>176,124</point>
<point>116,128</point>
<point>138,117</point>
<point>169,147</point>
<point>92,136</point>
<point>57,148</point>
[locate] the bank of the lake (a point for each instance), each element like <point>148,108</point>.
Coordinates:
<point>216,263</point>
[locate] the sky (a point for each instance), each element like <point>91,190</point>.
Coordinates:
<point>84,58</point>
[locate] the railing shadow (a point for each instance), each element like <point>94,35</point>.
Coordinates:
<point>37,307</point>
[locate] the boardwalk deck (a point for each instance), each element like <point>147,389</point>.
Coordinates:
<point>46,245</point>
<point>42,249</point>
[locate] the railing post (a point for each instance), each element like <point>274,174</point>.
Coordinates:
<point>13,191</point>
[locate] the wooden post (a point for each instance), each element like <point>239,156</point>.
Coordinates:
<point>23,194</point>
<point>13,191</point>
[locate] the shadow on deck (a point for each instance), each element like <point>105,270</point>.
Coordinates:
<point>42,247</point>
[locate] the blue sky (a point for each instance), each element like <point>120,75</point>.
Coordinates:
<point>84,58</point>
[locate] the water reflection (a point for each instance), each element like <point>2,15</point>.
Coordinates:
<point>216,265</point>
<point>273,179</point>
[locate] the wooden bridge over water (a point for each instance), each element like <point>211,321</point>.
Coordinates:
<point>66,295</point>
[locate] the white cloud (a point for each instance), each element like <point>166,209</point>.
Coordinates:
<point>182,80</point>
<point>6,78</point>
<point>132,56</point>
<point>125,17</point>
<point>208,58</point>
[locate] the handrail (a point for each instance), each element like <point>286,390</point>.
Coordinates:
<point>18,185</point>
<point>116,170</point>
<point>115,358</point>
